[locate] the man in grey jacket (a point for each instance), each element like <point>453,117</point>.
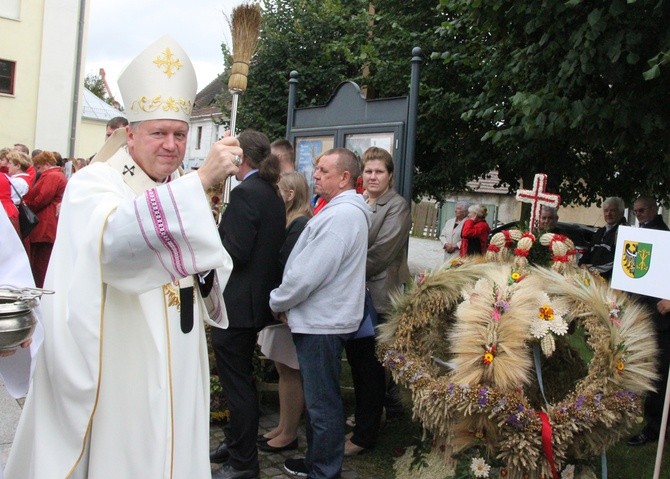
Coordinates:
<point>321,297</point>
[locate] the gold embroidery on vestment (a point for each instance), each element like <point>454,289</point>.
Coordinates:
<point>171,292</point>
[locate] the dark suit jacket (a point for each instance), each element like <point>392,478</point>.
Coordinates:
<point>661,321</point>
<point>252,231</point>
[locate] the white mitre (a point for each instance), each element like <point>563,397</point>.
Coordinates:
<point>159,84</point>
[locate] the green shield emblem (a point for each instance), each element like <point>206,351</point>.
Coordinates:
<point>636,258</point>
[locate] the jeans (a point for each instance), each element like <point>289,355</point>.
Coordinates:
<point>320,359</point>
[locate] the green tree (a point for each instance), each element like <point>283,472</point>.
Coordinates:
<point>334,41</point>
<point>573,89</point>
<point>95,85</point>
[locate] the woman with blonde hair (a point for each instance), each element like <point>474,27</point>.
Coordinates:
<point>276,340</point>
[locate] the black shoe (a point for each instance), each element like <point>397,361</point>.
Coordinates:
<point>261,438</point>
<point>220,454</point>
<point>265,447</point>
<point>229,472</point>
<point>642,439</point>
<point>295,467</point>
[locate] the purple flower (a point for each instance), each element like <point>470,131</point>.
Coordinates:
<point>514,421</point>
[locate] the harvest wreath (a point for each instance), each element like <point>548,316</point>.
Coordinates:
<point>490,350</point>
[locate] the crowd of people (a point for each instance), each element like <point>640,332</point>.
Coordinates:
<point>139,266</point>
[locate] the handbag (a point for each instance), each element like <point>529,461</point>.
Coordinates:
<point>27,219</point>
<point>369,321</point>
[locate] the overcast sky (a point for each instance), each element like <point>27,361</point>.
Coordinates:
<point>118,30</point>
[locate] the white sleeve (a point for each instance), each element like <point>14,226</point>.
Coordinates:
<point>167,233</point>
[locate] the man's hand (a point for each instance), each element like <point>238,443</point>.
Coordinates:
<point>281,317</point>
<point>220,162</point>
<point>24,344</point>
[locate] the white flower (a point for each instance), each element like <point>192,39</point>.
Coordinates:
<point>479,467</point>
<point>568,472</point>
<point>549,319</point>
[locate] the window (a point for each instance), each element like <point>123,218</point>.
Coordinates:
<point>7,76</point>
<point>198,142</point>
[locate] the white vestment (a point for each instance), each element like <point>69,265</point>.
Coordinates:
<point>15,271</point>
<point>451,233</point>
<point>120,391</point>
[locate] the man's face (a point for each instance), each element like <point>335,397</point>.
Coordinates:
<point>328,180</point>
<point>4,163</point>
<point>109,131</point>
<point>158,146</point>
<point>643,212</point>
<point>548,220</point>
<point>611,214</point>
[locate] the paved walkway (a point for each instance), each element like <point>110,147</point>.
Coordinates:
<point>424,254</point>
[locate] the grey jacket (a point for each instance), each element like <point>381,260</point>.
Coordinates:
<point>386,268</point>
<point>322,290</point>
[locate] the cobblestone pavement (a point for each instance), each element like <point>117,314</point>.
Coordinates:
<point>272,465</point>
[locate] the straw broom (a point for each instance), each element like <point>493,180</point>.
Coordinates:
<point>245,25</point>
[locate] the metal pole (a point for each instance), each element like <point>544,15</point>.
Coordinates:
<point>664,428</point>
<point>77,73</point>
<point>292,89</point>
<point>412,112</point>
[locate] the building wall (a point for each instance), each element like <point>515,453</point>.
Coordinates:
<point>211,132</point>
<point>22,41</point>
<point>43,43</point>
<point>91,137</point>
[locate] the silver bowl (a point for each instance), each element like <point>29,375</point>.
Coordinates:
<point>17,319</point>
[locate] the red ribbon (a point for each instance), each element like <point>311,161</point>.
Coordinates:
<point>547,443</point>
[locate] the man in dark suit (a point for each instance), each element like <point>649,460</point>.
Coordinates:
<point>252,231</point>
<point>600,256</point>
<point>646,211</point>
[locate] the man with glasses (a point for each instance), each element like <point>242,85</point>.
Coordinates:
<point>646,212</point>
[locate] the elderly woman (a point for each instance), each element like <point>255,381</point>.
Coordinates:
<point>44,200</point>
<point>386,271</point>
<point>475,233</point>
<point>17,166</point>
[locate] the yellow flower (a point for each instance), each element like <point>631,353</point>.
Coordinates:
<point>516,276</point>
<point>488,358</point>
<point>620,366</point>
<point>546,313</point>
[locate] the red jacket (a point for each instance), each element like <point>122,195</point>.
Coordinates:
<point>6,198</point>
<point>44,198</point>
<point>475,230</point>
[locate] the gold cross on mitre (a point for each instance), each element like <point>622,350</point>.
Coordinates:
<point>169,61</point>
<point>538,197</point>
